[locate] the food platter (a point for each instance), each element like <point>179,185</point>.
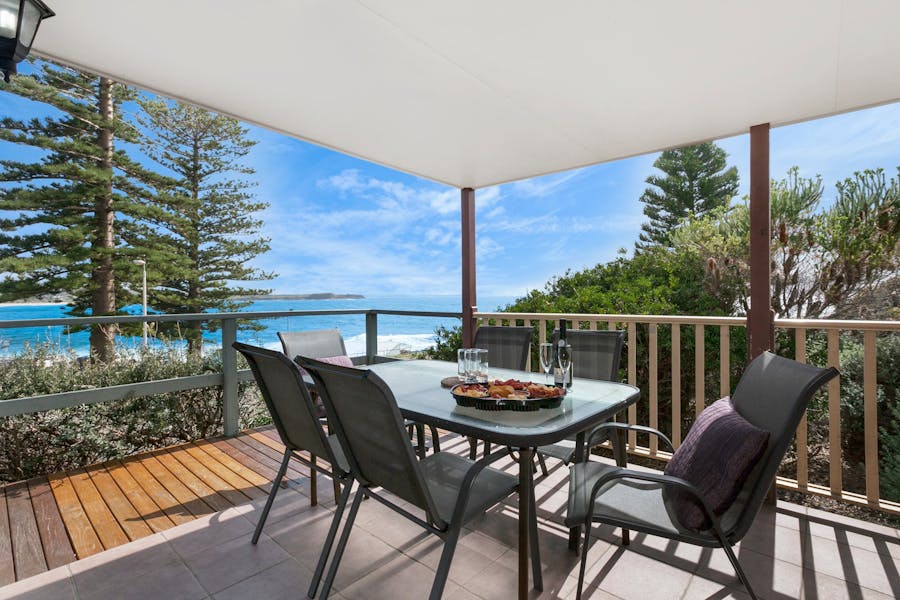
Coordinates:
<point>511,394</point>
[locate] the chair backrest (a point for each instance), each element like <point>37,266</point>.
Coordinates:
<point>772,394</point>
<point>314,344</point>
<point>363,413</point>
<point>288,400</point>
<point>595,354</point>
<point>507,346</point>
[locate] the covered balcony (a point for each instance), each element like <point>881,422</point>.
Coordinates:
<point>473,95</point>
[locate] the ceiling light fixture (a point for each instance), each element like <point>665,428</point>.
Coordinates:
<point>19,21</point>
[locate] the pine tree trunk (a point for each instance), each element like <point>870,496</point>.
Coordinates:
<point>194,333</point>
<point>103,300</point>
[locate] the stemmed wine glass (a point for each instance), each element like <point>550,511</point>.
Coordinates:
<point>564,359</point>
<point>547,360</point>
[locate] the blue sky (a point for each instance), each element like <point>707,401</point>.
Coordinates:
<point>344,225</point>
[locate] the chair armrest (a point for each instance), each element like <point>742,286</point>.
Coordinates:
<point>666,480</point>
<point>625,426</point>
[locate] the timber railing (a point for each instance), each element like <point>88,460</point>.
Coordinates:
<point>670,401</point>
<point>228,378</point>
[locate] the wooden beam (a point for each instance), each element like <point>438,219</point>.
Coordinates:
<point>760,319</point>
<point>469,303</point>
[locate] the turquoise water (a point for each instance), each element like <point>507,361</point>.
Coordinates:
<point>395,333</point>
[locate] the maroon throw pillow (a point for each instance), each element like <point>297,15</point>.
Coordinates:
<point>717,456</point>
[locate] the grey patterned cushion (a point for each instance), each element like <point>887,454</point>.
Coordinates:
<point>716,456</point>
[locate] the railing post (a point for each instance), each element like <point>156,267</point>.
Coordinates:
<point>469,302</point>
<point>371,336</point>
<point>229,377</point>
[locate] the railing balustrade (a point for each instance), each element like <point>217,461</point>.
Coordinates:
<point>644,334</point>
<point>659,359</point>
<point>229,378</point>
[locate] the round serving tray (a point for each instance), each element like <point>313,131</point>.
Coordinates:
<point>517,404</point>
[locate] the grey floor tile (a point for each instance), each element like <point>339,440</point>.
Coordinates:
<point>818,586</point>
<point>172,582</point>
<point>632,575</point>
<point>288,580</point>
<point>221,566</point>
<point>875,571</point>
<point>213,530</point>
<point>56,584</point>
<point>770,577</point>
<point>119,565</point>
<point>399,578</point>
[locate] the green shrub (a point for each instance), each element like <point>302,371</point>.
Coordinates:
<point>887,400</point>
<point>447,342</point>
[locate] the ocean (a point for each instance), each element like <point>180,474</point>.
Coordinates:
<point>395,333</point>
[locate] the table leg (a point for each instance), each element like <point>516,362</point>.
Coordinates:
<point>579,456</point>
<point>525,503</point>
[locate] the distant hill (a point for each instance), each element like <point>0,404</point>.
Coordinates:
<point>319,296</point>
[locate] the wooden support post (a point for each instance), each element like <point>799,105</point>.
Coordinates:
<point>469,303</point>
<point>760,319</point>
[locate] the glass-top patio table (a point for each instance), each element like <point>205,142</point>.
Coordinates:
<point>416,385</point>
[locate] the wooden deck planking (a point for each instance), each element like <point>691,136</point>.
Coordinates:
<point>124,513</point>
<point>7,571</point>
<point>247,456</point>
<point>84,539</point>
<point>293,472</point>
<point>196,485</point>
<point>142,502</point>
<point>262,463</point>
<point>192,503</point>
<point>48,522</point>
<point>275,449</point>
<point>267,440</point>
<point>55,541</point>
<point>234,487</point>
<point>219,487</point>
<point>245,472</point>
<point>28,556</point>
<point>104,522</point>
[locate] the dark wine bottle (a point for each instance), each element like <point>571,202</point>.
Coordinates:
<point>562,356</point>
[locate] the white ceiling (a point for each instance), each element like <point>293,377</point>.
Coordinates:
<point>477,92</point>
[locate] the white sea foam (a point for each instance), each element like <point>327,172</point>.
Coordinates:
<point>388,345</point>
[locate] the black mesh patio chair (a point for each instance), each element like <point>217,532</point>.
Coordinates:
<point>771,396</point>
<point>328,343</point>
<point>449,489</point>
<point>508,348</point>
<point>298,425</point>
<point>316,344</point>
<point>595,355</point>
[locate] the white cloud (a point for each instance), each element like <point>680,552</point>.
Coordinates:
<point>544,186</point>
